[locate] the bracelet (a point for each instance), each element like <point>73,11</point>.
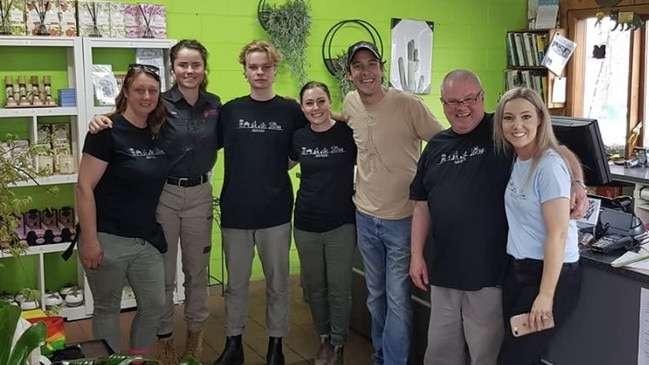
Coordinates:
<point>580,183</point>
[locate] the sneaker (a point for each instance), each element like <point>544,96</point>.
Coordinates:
<point>324,351</point>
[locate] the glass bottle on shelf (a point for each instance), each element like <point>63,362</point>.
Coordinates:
<point>9,88</point>
<point>35,92</point>
<point>47,90</point>
<point>22,92</point>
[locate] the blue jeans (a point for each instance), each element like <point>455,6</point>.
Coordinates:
<point>385,248</point>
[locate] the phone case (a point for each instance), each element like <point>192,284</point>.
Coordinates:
<point>520,326</point>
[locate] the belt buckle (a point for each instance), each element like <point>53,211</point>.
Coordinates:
<point>180,181</point>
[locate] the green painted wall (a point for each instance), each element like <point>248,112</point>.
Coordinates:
<point>468,34</point>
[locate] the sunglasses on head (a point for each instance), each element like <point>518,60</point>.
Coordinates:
<point>146,68</point>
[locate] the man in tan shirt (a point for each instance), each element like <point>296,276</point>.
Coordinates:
<point>388,126</point>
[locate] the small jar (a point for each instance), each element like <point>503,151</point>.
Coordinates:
<point>35,92</point>
<point>22,91</point>
<point>9,90</point>
<point>47,89</point>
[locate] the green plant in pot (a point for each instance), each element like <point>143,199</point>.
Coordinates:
<point>31,339</point>
<point>35,336</point>
<point>288,25</point>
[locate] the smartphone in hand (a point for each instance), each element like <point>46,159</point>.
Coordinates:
<point>520,325</point>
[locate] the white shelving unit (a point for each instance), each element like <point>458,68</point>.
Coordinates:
<point>79,54</point>
<point>70,313</point>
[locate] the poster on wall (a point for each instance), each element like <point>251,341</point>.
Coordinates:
<point>412,55</point>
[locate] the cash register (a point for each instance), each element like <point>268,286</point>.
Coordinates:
<point>618,228</point>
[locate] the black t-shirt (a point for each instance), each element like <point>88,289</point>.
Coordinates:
<point>257,191</point>
<point>463,179</point>
<point>191,133</point>
<point>127,194</point>
<point>324,199</point>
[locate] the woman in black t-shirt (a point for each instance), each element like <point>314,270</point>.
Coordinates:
<point>121,175</point>
<point>325,233</point>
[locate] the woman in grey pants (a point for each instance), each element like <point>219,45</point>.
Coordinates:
<point>325,233</point>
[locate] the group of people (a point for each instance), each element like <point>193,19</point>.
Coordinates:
<point>144,190</point>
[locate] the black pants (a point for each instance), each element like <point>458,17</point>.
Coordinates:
<point>520,289</point>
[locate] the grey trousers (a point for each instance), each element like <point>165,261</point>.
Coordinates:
<point>141,263</point>
<point>273,247</point>
<point>326,263</point>
<point>464,319</point>
<point>186,215</point>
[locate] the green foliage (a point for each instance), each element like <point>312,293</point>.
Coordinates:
<point>288,26</point>
<point>16,164</point>
<point>33,338</point>
<point>345,85</point>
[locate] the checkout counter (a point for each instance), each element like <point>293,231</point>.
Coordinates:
<point>603,330</point>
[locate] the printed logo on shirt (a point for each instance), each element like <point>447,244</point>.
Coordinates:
<point>149,154</point>
<point>210,112</point>
<point>458,158</point>
<point>516,191</point>
<point>321,152</point>
<point>259,127</point>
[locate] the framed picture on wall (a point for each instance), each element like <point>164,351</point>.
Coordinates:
<point>412,55</point>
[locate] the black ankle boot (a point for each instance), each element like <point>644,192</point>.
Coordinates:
<point>232,353</point>
<point>275,356</point>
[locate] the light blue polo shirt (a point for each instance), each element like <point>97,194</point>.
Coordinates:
<point>524,196</point>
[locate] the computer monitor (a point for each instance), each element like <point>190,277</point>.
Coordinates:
<point>582,136</point>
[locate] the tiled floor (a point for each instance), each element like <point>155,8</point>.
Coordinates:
<point>299,346</point>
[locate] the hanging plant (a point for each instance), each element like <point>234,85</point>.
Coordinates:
<point>288,26</point>
<point>345,85</point>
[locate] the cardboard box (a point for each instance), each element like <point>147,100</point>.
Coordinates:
<point>117,20</point>
<point>61,132</point>
<point>43,132</point>
<point>158,20</point>
<point>132,15</point>
<point>100,11</point>
<point>17,23</point>
<point>68,17</point>
<point>50,12</point>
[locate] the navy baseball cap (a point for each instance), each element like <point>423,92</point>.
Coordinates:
<point>351,51</point>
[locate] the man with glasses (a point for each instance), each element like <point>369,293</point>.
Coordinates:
<point>388,127</point>
<point>459,199</point>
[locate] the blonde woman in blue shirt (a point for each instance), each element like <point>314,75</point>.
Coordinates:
<point>543,275</point>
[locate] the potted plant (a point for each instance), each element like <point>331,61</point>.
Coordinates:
<point>34,337</point>
<point>31,339</point>
<point>28,298</point>
<point>288,25</point>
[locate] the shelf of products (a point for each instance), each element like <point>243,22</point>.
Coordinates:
<point>79,62</point>
<point>525,52</point>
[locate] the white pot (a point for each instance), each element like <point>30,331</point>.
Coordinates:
<point>65,290</point>
<point>74,298</point>
<point>53,299</point>
<point>29,305</point>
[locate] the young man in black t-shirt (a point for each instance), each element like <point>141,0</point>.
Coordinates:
<point>257,199</point>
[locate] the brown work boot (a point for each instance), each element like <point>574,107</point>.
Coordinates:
<point>194,344</point>
<point>324,351</point>
<point>167,354</point>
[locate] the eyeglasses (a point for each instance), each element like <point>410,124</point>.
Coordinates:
<point>466,102</point>
<point>154,70</point>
